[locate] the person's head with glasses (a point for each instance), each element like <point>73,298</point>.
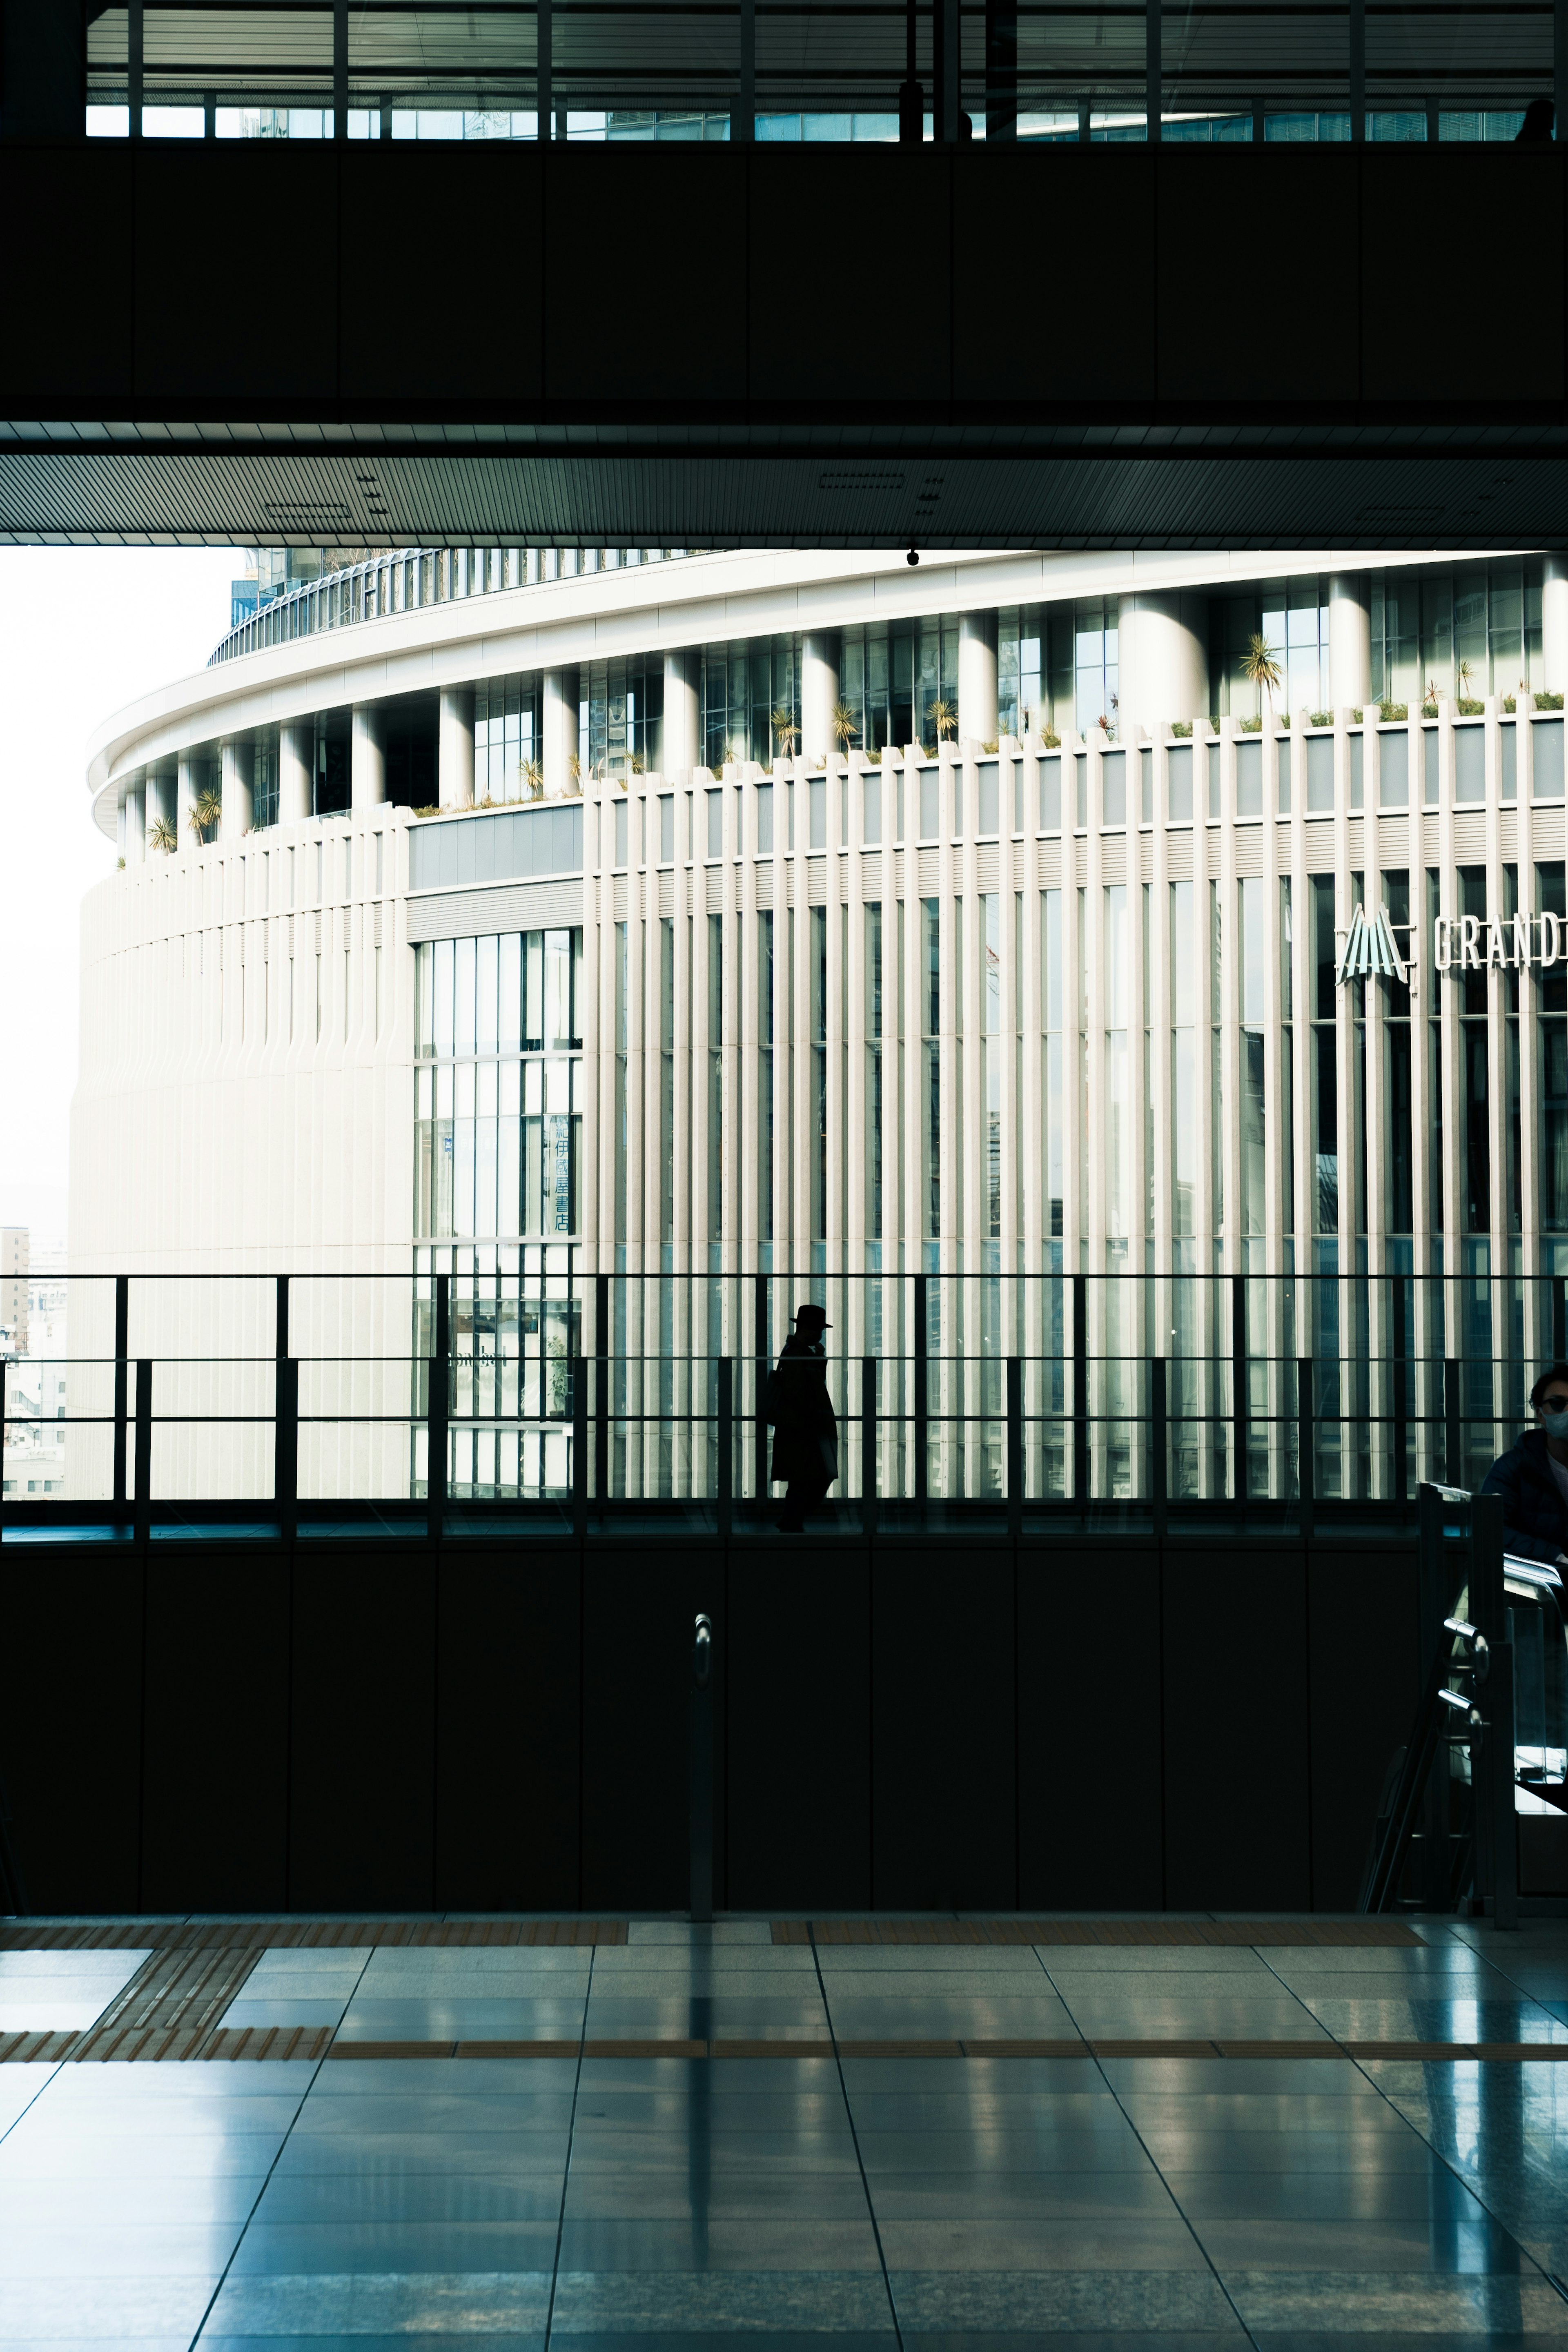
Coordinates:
<point>1549,1400</point>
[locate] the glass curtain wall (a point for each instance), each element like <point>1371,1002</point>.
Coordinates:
<point>500,1091</point>
<point>749,694</point>
<point>1468,632</point>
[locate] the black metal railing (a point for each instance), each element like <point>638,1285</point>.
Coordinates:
<point>1031,1398</point>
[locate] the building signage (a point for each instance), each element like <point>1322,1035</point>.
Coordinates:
<point>1475,942</point>
<point>1369,947</point>
<point>1459,943</point>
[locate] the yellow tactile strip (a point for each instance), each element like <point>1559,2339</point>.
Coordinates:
<point>163,1935</point>
<point>1326,1934</point>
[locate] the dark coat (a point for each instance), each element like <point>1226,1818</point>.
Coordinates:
<point>806,1429</point>
<point>1534,1515</point>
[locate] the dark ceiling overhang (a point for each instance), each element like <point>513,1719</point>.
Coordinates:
<point>667,345</point>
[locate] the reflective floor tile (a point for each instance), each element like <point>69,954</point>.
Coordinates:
<point>521,2156</point>
<point>19,2086</point>
<point>444,2109</point>
<point>1043,2149</point>
<point>1307,2110</point>
<point>1424,2019</point>
<point>1432,2194</point>
<point>998,2244</point>
<point>461,2018</point>
<point>1435,2306</point>
<point>362,2078</point>
<point>279,2010</point>
<point>1315,2078</point>
<point>700,2302</point>
<point>423,2248</point>
<point>89,2246</point>
<point>1013,2196</point>
<point>1119,2301</point>
<point>391,2303</point>
<point>1175,2149</point>
<point>1367,2245</point>
<point>409,2197</point>
<point>710,2240</point>
<point>114,2308</point>
<point>61,1991</point>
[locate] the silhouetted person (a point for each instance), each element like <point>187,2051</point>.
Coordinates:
<point>1538,118</point>
<point>805,1427</point>
<point>1532,1476</point>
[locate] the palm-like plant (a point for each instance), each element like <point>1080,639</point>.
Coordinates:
<point>531,774</point>
<point>944,718</point>
<point>846,726</point>
<point>1260,667</point>
<point>161,834</point>
<point>1466,674</point>
<point>206,812</point>
<point>784,730</point>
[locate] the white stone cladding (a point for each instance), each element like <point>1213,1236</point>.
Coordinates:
<point>247,1095</point>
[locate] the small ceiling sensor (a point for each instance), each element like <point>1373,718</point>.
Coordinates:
<point>913,556</point>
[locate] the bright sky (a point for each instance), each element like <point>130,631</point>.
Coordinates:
<point>82,632</point>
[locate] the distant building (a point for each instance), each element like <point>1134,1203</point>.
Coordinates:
<point>13,1285</point>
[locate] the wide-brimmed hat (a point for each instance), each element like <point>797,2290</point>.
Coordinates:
<point>817,1315</point>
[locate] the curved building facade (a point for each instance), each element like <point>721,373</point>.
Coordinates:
<point>535,917</point>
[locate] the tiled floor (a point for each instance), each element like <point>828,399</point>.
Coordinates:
<point>936,2201</point>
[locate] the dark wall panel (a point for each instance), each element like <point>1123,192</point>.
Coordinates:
<point>597,195</point>
<point>639,1606</point>
<point>822,201</point>
<point>506,1760</point>
<point>1090,1766</point>
<point>1236,1730</point>
<point>1319,358</point>
<point>215,1788</point>
<point>1412,349</point>
<point>222,311</point>
<point>1365,1667</point>
<point>70,283</point>
<point>943,1753</point>
<point>1009,344</point>
<point>799,1660</point>
<point>362,1811</point>
<point>70,1724</point>
<point>441,271</point>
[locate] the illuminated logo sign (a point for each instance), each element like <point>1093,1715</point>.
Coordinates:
<point>1475,942</point>
<point>1369,948</point>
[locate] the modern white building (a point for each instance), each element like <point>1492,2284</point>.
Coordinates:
<point>539,916</point>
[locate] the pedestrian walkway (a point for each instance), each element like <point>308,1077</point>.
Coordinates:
<point>620,2134</point>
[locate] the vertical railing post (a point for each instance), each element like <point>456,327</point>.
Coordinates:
<point>580,1449</point>
<point>1432,1600</point>
<point>602,1389</point>
<point>1159,1427</point>
<point>438,1410</point>
<point>143,1450</point>
<point>726,1480</point>
<point>922,1392</point>
<point>285,1420</point>
<point>1305,1457</point>
<point>1014,1446</point>
<point>764,1364</point>
<point>122,1380</point>
<point>1081,1391</point>
<point>1497,1837</point>
<point>1238,1383</point>
<point>868,1446</point>
<point>1452,1423</point>
<point>1399,1484</point>
<point>701,1795</point>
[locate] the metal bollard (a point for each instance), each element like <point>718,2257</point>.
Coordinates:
<point>701,1793</point>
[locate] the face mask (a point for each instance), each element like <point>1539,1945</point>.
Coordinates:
<point>1555,1424</point>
